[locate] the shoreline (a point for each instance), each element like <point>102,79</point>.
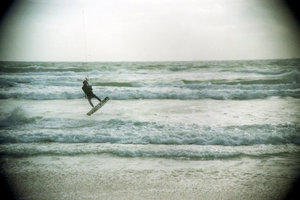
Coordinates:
<point>109,177</point>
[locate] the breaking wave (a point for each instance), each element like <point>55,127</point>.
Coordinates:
<point>190,152</point>
<point>125,91</point>
<point>136,132</point>
<point>16,117</point>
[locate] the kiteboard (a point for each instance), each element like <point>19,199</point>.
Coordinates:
<point>98,106</point>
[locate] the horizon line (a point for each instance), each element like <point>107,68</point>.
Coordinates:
<point>204,60</point>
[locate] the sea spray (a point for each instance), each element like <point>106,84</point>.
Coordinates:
<point>16,117</point>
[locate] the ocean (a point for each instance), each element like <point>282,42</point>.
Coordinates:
<point>185,118</point>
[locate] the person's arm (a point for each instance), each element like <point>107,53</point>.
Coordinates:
<point>84,90</point>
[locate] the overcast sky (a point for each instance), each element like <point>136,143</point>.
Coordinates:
<point>147,30</point>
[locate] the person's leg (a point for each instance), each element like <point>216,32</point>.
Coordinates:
<point>97,98</point>
<point>90,102</point>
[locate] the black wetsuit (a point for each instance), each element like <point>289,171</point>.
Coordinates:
<point>87,89</point>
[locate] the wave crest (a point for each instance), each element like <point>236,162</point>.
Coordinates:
<point>186,152</point>
<point>135,132</point>
<point>17,117</point>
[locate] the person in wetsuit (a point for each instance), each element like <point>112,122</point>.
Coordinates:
<point>87,89</point>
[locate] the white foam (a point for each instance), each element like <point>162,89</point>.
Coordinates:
<point>208,152</point>
<point>137,132</point>
<point>16,117</point>
<point>42,92</point>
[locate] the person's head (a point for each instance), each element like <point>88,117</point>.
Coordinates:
<point>85,82</point>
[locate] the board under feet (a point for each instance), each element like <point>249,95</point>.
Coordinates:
<point>98,106</point>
